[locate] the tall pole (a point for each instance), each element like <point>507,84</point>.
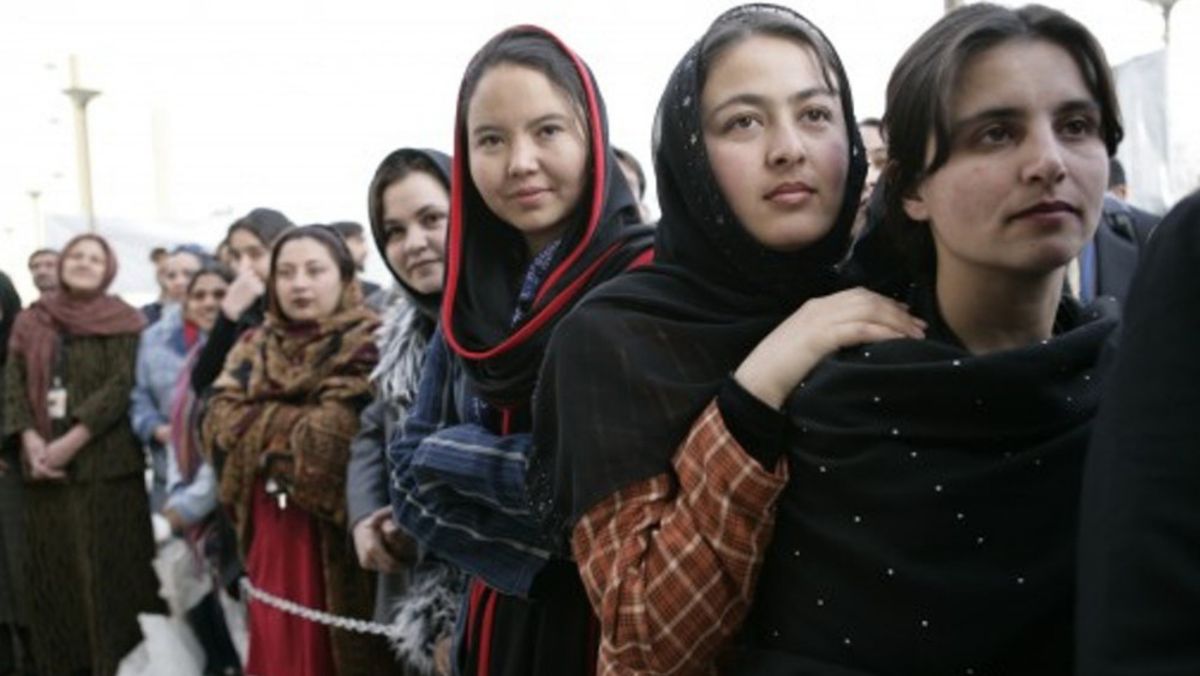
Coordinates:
<point>35,197</point>
<point>1166,6</point>
<point>80,98</point>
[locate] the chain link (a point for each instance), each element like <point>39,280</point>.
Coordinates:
<point>319,616</point>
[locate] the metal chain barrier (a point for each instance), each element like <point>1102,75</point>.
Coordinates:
<point>318,616</point>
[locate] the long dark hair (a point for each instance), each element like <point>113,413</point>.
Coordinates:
<point>10,305</point>
<point>531,48</point>
<point>920,92</point>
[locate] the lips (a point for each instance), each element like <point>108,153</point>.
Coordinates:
<point>1048,208</point>
<point>790,189</point>
<point>530,196</point>
<point>413,267</point>
<point>790,193</point>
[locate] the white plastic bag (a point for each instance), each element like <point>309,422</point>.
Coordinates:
<point>169,649</point>
<point>183,580</point>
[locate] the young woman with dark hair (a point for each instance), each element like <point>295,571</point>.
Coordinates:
<point>538,217</point>
<point>759,170</point>
<point>409,206</point>
<point>69,372</point>
<point>284,411</point>
<point>163,405</point>
<point>249,242</point>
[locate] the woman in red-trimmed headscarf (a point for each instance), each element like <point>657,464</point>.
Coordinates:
<point>540,214</point>
<point>67,383</point>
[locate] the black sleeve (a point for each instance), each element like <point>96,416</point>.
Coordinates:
<point>212,358</point>
<point>1139,543</point>
<point>758,428</point>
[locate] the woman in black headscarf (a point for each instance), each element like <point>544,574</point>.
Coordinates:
<point>759,167</point>
<point>249,242</point>
<point>409,205</point>
<point>539,216</point>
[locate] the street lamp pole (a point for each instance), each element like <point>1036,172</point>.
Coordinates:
<point>80,98</point>
<point>35,197</point>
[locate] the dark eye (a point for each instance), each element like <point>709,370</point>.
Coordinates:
<point>549,130</point>
<point>1078,126</point>
<point>430,221</point>
<point>739,122</point>
<point>817,114</point>
<point>488,140</point>
<point>996,135</point>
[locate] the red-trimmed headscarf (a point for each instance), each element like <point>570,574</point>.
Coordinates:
<point>486,257</point>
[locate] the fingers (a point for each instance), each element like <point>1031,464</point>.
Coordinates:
<point>379,516</point>
<point>860,316</point>
<point>382,560</point>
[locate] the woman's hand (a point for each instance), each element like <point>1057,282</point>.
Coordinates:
<point>370,542</point>
<point>241,294</point>
<point>173,517</point>
<point>60,452</point>
<point>34,458</point>
<point>819,328</point>
<point>441,656</point>
<point>162,434</point>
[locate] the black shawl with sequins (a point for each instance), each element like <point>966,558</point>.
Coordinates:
<point>630,369</point>
<point>928,526</point>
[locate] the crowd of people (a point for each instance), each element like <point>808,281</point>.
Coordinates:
<point>898,395</point>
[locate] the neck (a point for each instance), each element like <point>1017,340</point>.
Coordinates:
<point>995,310</point>
<point>537,242</point>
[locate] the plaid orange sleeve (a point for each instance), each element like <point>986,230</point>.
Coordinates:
<point>670,564</point>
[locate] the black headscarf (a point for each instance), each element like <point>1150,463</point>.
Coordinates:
<point>629,370</point>
<point>486,258</point>
<point>426,303</point>
<point>10,305</point>
<point>265,224</point>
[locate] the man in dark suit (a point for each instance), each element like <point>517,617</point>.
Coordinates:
<point>1106,265</point>
<point>1143,221</point>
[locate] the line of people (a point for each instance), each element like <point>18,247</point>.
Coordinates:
<point>831,415</point>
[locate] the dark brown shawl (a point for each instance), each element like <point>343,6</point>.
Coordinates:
<point>288,399</point>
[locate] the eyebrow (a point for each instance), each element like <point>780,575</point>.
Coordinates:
<point>758,100</point>
<point>1013,112</point>
<point>548,117</point>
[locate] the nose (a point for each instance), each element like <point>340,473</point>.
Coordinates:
<point>786,146</point>
<point>414,240</point>
<point>1045,164</point>
<point>522,159</point>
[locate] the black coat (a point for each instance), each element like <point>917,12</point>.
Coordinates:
<point>1139,549</point>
